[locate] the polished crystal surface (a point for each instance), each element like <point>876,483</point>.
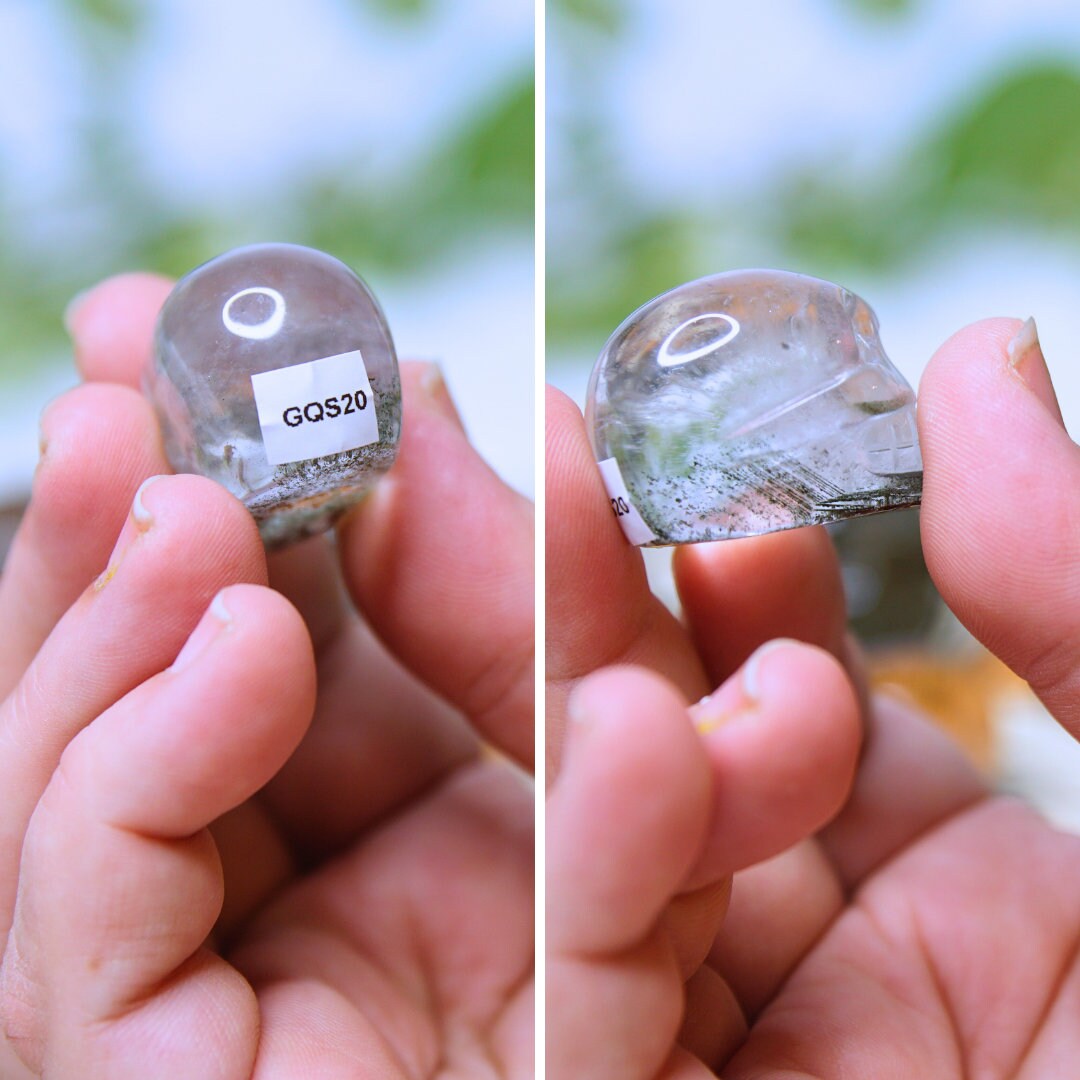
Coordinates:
<point>749,402</point>
<point>267,308</point>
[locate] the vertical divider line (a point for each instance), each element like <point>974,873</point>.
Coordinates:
<point>539,285</point>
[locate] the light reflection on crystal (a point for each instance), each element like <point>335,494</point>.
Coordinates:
<point>263,328</point>
<point>671,356</point>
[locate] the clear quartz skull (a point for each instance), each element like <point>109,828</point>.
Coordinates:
<point>749,402</point>
<point>274,374</point>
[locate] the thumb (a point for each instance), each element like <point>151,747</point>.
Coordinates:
<point>1001,505</point>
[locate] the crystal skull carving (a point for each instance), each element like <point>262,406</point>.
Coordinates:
<point>749,402</point>
<point>274,373</point>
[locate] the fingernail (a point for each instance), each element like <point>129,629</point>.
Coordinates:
<point>217,618</point>
<point>143,518</point>
<point>433,385</point>
<point>1027,362</point>
<point>707,716</point>
<point>576,710</point>
<point>752,671</point>
<point>43,424</point>
<point>738,697</point>
<point>721,707</point>
<point>71,312</point>
<point>138,522</point>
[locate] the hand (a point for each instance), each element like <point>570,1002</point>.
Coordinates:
<point>249,831</point>
<point>889,917</point>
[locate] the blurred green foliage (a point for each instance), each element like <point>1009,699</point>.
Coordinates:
<point>608,16</point>
<point>881,8</point>
<point>476,182</point>
<point>398,9</point>
<point>1010,157</point>
<point>480,179</point>
<point>1003,155</point>
<point>121,17</point>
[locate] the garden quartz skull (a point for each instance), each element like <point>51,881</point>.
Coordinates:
<point>274,373</point>
<point>749,402</point>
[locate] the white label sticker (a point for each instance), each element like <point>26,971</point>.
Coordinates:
<point>314,409</point>
<point>633,524</point>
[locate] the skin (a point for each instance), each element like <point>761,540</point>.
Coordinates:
<point>792,879</point>
<point>284,853</point>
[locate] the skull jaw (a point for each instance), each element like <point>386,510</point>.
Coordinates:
<point>888,445</point>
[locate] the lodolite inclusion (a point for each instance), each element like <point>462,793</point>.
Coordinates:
<point>748,402</point>
<point>264,309</point>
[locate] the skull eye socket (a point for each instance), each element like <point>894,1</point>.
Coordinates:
<point>871,390</point>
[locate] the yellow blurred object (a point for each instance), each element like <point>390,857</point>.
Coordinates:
<point>962,694</point>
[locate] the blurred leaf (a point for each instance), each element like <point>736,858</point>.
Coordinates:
<point>1017,149</point>
<point>31,303</point>
<point>479,180</point>
<point>175,246</point>
<point>589,301</point>
<point>365,229</point>
<point>1010,154</point>
<point>397,9</point>
<point>881,8</point>
<point>120,17</point>
<point>488,167</point>
<point>607,16</point>
<point>1007,154</point>
<point>835,227</point>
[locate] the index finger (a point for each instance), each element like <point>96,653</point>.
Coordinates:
<point>112,326</point>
